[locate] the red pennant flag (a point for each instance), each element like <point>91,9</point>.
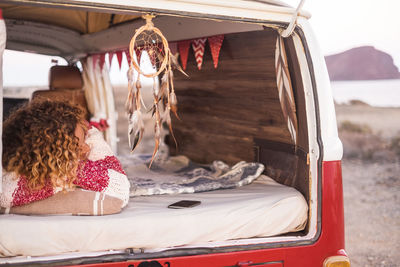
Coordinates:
<point>138,51</point>
<point>215,43</point>
<point>128,56</point>
<point>110,57</point>
<point>119,58</point>
<point>102,60</point>
<point>183,47</point>
<point>95,58</point>
<point>173,47</point>
<point>198,46</point>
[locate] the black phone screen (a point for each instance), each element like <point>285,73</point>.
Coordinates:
<point>184,204</point>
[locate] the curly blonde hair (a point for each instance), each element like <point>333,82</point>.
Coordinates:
<point>39,143</point>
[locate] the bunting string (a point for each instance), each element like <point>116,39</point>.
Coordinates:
<point>180,48</point>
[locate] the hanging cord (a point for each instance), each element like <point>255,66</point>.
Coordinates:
<point>288,31</point>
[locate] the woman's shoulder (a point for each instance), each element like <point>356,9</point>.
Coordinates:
<point>99,149</point>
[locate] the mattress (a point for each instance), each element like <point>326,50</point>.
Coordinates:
<point>261,209</point>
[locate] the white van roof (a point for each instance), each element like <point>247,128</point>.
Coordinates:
<point>233,9</point>
<point>91,26</point>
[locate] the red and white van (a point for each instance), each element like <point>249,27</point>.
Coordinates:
<point>264,97</point>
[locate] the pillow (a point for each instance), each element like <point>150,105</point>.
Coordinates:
<point>77,202</point>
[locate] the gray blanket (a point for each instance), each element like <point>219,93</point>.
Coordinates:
<point>173,175</point>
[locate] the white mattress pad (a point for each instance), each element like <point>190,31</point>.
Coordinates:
<point>263,208</point>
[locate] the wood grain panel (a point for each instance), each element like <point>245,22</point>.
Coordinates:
<point>223,110</point>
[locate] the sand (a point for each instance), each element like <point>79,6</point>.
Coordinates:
<point>384,121</point>
<point>371,187</point>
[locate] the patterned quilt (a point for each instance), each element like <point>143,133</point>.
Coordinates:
<point>174,175</point>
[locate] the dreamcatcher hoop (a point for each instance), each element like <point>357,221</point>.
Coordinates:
<point>149,26</point>
<point>164,96</point>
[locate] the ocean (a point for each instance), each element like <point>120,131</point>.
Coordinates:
<point>379,93</point>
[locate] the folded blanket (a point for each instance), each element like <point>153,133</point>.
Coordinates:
<point>173,175</point>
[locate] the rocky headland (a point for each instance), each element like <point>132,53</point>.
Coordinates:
<point>361,63</point>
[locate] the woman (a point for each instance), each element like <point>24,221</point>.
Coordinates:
<point>47,149</point>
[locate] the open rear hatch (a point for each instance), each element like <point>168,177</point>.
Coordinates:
<point>246,102</point>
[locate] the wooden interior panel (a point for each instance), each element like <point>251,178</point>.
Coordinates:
<point>287,164</point>
<point>223,110</point>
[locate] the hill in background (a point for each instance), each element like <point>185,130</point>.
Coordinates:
<point>361,63</point>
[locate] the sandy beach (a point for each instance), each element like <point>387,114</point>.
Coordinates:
<point>383,121</point>
<point>371,183</point>
<point>371,178</point>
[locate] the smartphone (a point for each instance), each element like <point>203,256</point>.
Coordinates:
<point>184,204</point>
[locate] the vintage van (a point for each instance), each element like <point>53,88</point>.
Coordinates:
<point>261,94</point>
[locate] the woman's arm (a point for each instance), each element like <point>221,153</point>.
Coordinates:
<point>102,171</point>
<point>16,191</point>
<point>77,202</point>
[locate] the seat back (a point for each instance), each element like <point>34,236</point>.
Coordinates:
<point>65,77</point>
<point>65,84</point>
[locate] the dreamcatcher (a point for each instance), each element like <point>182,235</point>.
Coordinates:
<point>150,39</point>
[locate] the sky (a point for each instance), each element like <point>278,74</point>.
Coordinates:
<point>343,24</point>
<point>338,24</point>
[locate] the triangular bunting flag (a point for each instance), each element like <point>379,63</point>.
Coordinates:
<point>95,58</point>
<point>128,56</point>
<point>198,46</point>
<point>138,52</point>
<point>215,43</point>
<point>119,58</point>
<point>173,47</point>
<point>102,60</point>
<point>110,57</point>
<point>183,47</point>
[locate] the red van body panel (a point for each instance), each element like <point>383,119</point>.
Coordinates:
<point>329,243</point>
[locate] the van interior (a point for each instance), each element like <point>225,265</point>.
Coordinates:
<point>233,118</point>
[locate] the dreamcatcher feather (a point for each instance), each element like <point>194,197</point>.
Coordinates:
<point>150,39</point>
